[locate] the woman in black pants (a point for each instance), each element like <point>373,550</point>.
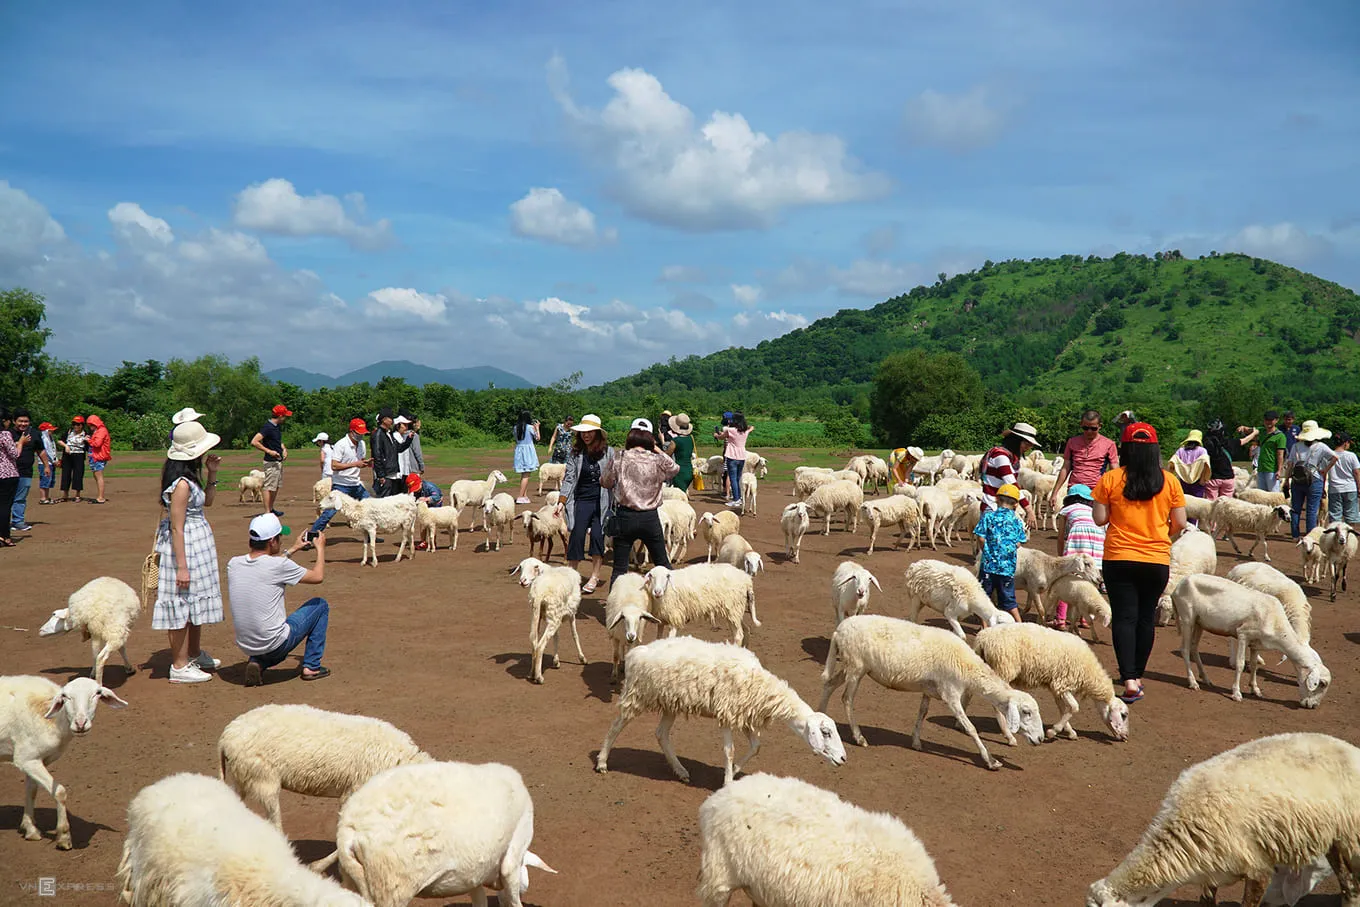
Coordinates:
<point>1143,506</point>
<point>637,478</point>
<point>10,451</point>
<point>588,504</point>
<point>73,459</point>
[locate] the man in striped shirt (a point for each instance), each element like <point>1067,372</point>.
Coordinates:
<point>1001,464</point>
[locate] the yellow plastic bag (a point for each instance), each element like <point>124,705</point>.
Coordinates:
<point>698,482</point>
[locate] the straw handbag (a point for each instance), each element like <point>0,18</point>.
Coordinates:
<point>151,574</point>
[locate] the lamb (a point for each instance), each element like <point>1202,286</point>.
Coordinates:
<point>104,610</point>
<point>1083,601</point>
<point>716,527</point>
<point>370,516</point>
<point>191,841</point>
<point>1313,558</point>
<point>37,721</point>
<point>429,520</point>
<point>795,522</point>
<point>806,482</point>
<point>250,486</point>
<point>953,591</point>
<point>688,676</point>
<point>498,516</point>
<point>1261,496</point>
<point>439,831</point>
<point>895,510</point>
<point>320,488</point>
<point>1194,552</point>
<point>787,843</point>
<point>1257,620</point>
<point>1230,515</point>
<point>936,509</point>
<point>624,611</point>
<point>1031,656</point>
<point>850,589</point>
<point>750,488</point>
<point>904,656</point>
<point>719,593</point>
<point>1036,571</point>
<point>679,524</point>
<point>474,492</point>
<point>839,496</point>
<point>1338,544</point>
<point>738,552</point>
<point>930,466</point>
<point>545,526</point>
<point>554,596</point>
<point>1293,798</point>
<point>552,474</point>
<point>671,493</point>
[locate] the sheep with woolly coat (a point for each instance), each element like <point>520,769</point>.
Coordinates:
<point>1261,496</point>
<point>1194,552</point>
<point>834,497</point>
<point>679,525</point>
<point>551,474</point>
<point>1313,557</point>
<point>719,593</point>
<point>937,508</point>
<point>850,589</point>
<point>688,676</point>
<point>787,843</point>
<point>795,521</point>
<point>396,513</point>
<point>1083,601</point>
<point>1231,515</point>
<point>625,610</point>
<point>252,487</point>
<point>908,657</point>
<point>717,526</point>
<point>473,493</point>
<point>544,527</point>
<point>104,610</point>
<point>750,490</point>
<point>953,591</point>
<point>807,479</point>
<point>498,517</point>
<point>554,597</point>
<point>895,510</point>
<point>738,552</point>
<point>429,520</point>
<point>1265,578</point>
<point>1338,544</point>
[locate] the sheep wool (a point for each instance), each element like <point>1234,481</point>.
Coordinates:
<point>1194,552</point>
<point>624,612</point>
<point>1232,515</point>
<point>430,520</point>
<point>370,516</point>
<point>473,493</point>
<point>716,592</point>
<point>104,610</point>
<point>850,589</point>
<point>795,521</point>
<point>554,597</point>
<point>952,590</point>
<point>837,496</point>
<point>716,527</point>
<point>895,510</point>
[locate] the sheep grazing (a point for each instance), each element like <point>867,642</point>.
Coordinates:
<point>750,489</point>
<point>554,596</point>
<point>787,843</point>
<point>850,589</point>
<point>104,610</point>
<point>1231,515</point>
<point>1083,601</point>
<point>1280,801</point>
<point>1257,621</point>
<point>544,527</point>
<point>679,525</point>
<point>251,487</point>
<point>473,492</point>
<point>370,516</point>
<point>191,841</point>
<point>719,593</point>
<point>1265,578</point>
<point>1313,557</point>
<point>953,591</point>
<point>429,520</point>
<point>834,497</point>
<point>911,658</point>
<point>738,552</point>
<point>1193,552</point>
<point>551,474</point>
<point>807,479</point>
<point>624,611</point>
<point>1261,496</point>
<point>895,510</point>
<point>37,721</point>
<point>439,831</point>
<point>1030,656</point>
<point>795,521</point>
<point>873,471</point>
<point>1338,544</point>
<point>691,677</point>
<point>498,517</point>
<point>717,526</point>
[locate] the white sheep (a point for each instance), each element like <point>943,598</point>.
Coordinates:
<point>750,490</point>
<point>671,493</point>
<point>1083,601</point>
<point>250,487</point>
<point>1199,509</point>
<point>1041,486</point>
<point>320,488</point>
<point>1261,496</point>
<point>850,589</point>
<point>429,520</point>
<point>37,721</point>
<point>1257,621</point>
<point>396,513</point>
<point>720,593</point>
<point>937,507</point>
<point>895,510</point>
<point>1313,556</point>
<point>1338,544</point>
<point>807,479</point>
<point>787,843</point>
<point>551,474</point>
<point>1230,515</point>
<point>552,498</point>
<point>1283,800</point>
<point>498,516</point>
<point>191,841</point>
<point>1031,656</point>
<point>554,596</point>
<point>544,527</point>
<point>624,611</point>
<point>473,492</point>
<point>439,830</point>
<point>756,465</point>
<point>691,677</point>
<point>1193,552</point>
<point>911,658</point>
<point>717,526</point>
<point>679,525</point>
<point>795,521</point>
<point>839,496</point>
<point>1265,578</point>
<point>738,552</point>
<point>963,517</point>
<point>930,467</point>
<point>953,591</point>
<point>104,610</point>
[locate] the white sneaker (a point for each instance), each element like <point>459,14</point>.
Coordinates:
<point>523,501</point>
<point>206,661</point>
<point>190,673</point>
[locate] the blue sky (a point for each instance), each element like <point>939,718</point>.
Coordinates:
<point>550,187</point>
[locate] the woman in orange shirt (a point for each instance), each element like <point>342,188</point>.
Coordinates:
<point>1143,506</point>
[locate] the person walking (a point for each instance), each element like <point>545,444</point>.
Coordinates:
<point>47,473</point>
<point>10,451</point>
<point>636,478</point>
<point>588,503</point>
<point>560,442</point>
<point>526,455</point>
<point>1077,534</point>
<point>387,451</point>
<point>1001,465</point>
<point>1142,506</point>
<point>22,424</point>
<point>269,441</point>
<point>1222,483</point>
<point>348,456</point>
<point>1306,469</point>
<point>681,449</point>
<point>1190,464</point>
<point>1001,533</point>
<point>1086,457</point>
<point>734,453</point>
<point>189,594</point>
<point>101,452</point>
<point>73,459</point>
<point>1343,480</point>
<point>1271,444</point>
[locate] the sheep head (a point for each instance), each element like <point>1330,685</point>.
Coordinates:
<point>1087,569</point>
<point>1022,715</point>
<point>658,580</point>
<point>754,564</point>
<point>497,477</point>
<point>59,622</point>
<point>77,701</point>
<point>632,623</point>
<point>529,570</point>
<point>1115,714</point>
<point>1281,512</point>
<point>821,734</point>
<point>1314,681</point>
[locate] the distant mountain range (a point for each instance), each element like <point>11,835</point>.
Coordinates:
<point>475,378</point>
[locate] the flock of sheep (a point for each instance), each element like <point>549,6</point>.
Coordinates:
<point>1281,812</point>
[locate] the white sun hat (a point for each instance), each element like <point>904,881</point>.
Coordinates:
<point>188,414</point>
<point>190,440</point>
<point>589,422</point>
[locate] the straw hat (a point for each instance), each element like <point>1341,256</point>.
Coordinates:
<point>1025,432</point>
<point>681,425</point>
<point>188,414</point>
<point>1194,435</point>
<point>589,422</point>
<point>190,440</point>
<point>1311,431</point>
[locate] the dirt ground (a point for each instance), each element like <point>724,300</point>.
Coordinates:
<point>439,647</point>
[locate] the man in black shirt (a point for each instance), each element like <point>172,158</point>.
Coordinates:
<point>269,441</point>
<point>23,425</point>
<point>386,465</point>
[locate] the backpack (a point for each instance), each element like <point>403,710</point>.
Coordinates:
<point>1302,472</point>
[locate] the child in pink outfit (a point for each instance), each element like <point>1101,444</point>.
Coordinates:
<point>1080,535</point>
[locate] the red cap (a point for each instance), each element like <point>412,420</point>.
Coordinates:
<point>80,419</point>
<point>46,426</point>
<point>358,427</point>
<point>413,482</point>
<point>282,411</point>
<point>1139,432</point>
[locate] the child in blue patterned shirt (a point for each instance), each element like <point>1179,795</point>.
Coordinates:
<point>1002,534</point>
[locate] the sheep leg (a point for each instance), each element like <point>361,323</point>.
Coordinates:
<point>663,737</point>
<point>1346,876</point>
<point>557,659</point>
<point>827,530</point>
<point>752,747</point>
<point>962,716</point>
<point>602,760</point>
<point>101,655</point>
<point>478,895</point>
<point>1189,633</point>
<point>848,700</point>
<point>1239,657</point>
<point>39,776</point>
<point>577,639</point>
<point>956,626</point>
<point>873,536</point>
<point>1265,547</point>
<point>1068,706</point>
<point>540,644</point>
<point>729,752</point>
<point>26,826</point>
<point>127,662</point>
<point>1001,723</point>
<point>920,720</point>
<point>1254,892</point>
<point>1255,660</point>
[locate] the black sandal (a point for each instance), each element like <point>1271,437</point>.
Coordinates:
<point>6,543</point>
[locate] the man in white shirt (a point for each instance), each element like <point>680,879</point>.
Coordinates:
<point>255,586</point>
<point>347,457</point>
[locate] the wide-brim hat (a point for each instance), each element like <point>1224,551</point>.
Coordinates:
<point>1194,435</point>
<point>1312,432</point>
<point>190,440</point>
<point>681,424</point>
<point>1026,432</point>
<point>188,414</point>
<point>589,422</point>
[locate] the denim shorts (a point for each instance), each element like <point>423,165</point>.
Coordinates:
<point>97,465</point>
<point>1004,589</point>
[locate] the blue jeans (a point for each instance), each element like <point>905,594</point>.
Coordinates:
<point>1301,495</point>
<point>358,492</point>
<point>1003,588</point>
<point>1267,481</point>
<point>309,623</point>
<point>20,506</point>
<point>1343,507</point>
<point>734,468</point>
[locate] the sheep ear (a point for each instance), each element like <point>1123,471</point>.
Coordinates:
<point>58,701</point>
<point>617,617</point>
<point>648,616</point>
<point>111,698</point>
<point>1012,716</point>
<point>515,569</point>
<point>873,579</point>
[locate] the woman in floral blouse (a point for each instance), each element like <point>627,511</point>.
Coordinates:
<point>637,477</point>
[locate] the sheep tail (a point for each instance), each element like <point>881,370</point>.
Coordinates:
<point>221,764</point>
<point>325,863</point>
<point>751,605</point>
<point>533,859</point>
<point>829,671</point>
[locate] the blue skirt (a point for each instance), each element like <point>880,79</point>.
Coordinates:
<point>526,457</point>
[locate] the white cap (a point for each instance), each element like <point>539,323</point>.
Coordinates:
<point>642,424</point>
<point>321,436</point>
<point>188,414</point>
<point>401,420</point>
<point>264,527</point>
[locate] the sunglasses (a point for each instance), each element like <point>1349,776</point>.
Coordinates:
<point>1090,428</point>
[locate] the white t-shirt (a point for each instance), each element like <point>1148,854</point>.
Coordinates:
<point>327,452</point>
<point>406,460</point>
<point>1342,476</point>
<point>255,588</point>
<point>347,451</point>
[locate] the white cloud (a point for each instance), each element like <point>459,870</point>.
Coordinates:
<point>959,123</point>
<point>875,279</point>
<point>25,226</point>
<point>405,301</point>
<point>1284,242</point>
<point>274,206</point>
<point>746,294</point>
<point>682,274</point>
<point>132,224</point>
<point>781,320</point>
<point>549,215</point>
<point>719,175</point>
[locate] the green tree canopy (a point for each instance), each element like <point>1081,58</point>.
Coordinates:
<point>914,385</point>
<point>22,339</point>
